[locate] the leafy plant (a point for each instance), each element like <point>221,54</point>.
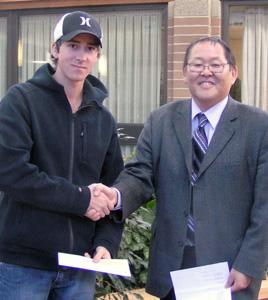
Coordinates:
<point>134,247</point>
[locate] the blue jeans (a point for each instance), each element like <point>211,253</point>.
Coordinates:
<point>20,283</point>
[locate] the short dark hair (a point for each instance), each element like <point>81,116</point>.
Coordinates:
<point>227,50</point>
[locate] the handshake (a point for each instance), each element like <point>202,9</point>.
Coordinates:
<point>103,200</point>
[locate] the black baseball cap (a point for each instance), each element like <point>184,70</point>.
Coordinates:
<point>72,24</point>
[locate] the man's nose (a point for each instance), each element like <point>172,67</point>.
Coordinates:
<point>81,54</point>
<point>206,71</point>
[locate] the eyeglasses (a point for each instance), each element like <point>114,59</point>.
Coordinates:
<point>214,68</point>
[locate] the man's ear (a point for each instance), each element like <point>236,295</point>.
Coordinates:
<point>184,74</point>
<point>234,73</point>
<point>54,51</point>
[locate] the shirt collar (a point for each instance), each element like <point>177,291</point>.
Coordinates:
<point>213,114</point>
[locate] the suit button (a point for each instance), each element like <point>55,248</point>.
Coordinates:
<point>181,244</point>
<point>185,213</point>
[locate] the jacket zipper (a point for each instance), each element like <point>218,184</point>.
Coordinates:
<point>70,176</point>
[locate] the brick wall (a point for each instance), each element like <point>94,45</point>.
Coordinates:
<point>188,21</point>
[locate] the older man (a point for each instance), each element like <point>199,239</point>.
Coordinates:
<point>206,158</point>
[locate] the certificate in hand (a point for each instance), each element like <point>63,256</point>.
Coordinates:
<point>202,283</point>
<point>111,266</point>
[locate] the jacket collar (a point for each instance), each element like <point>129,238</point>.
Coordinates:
<point>94,90</point>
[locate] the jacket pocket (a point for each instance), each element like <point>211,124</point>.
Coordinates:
<point>93,144</point>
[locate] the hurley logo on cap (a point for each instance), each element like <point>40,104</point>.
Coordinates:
<point>77,22</point>
<point>85,21</point>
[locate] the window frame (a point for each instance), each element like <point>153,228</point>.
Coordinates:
<point>225,8</point>
<point>39,4</point>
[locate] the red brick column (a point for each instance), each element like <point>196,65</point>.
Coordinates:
<point>182,31</point>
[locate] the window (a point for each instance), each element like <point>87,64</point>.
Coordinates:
<point>3,57</point>
<point>131,63</point>
<point>245,27</point>
<point>34,43</point>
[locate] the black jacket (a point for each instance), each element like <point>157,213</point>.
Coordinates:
<point>46,154</point>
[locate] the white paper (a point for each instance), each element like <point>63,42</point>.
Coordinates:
<point>111,266</point>
<point>202,283</point>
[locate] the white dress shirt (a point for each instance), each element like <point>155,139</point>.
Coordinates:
<point>213,115</point>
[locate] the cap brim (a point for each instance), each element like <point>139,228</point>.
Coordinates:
<point>69,36</point>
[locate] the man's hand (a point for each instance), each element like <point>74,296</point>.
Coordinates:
<point>92,214</point>
<point>100,204</point>
<point>109,192</point>
<point>237,281</point>
<point>100,253</point>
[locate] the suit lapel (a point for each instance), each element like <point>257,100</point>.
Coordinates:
<point>223,133</point>
<point>182,125</point>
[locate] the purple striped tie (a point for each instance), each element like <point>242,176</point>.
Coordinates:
<point>200,145</point>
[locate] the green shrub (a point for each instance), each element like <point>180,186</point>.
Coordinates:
<point>134,247</point>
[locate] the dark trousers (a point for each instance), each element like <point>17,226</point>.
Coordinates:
<point>188,261</point>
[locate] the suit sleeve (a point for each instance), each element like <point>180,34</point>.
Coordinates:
<point>136,181</point>
<point>253,255</point>
<point>108,231</point>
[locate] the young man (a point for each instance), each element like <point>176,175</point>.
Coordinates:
<point>56,139</point>
<point>222,189</point>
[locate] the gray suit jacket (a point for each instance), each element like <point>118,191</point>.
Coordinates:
<point>230,198</point>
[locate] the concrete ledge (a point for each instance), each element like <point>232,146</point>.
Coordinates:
<point>263,295</point>
<point>131,295</point>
